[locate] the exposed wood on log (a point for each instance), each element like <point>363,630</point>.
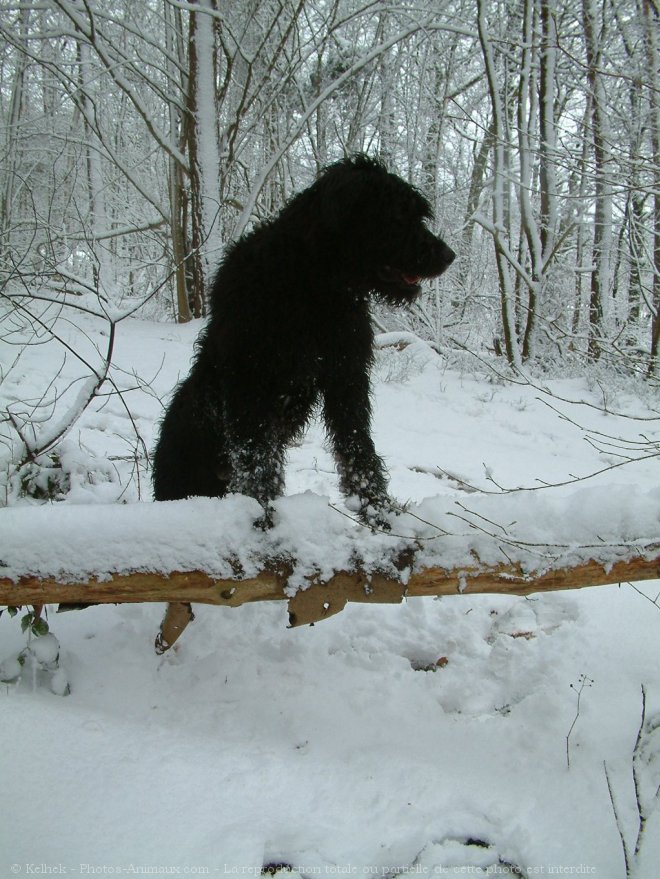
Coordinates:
<point>322,600</point>
<point>176,619</point>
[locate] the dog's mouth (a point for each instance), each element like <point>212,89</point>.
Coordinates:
<point>405,281</point>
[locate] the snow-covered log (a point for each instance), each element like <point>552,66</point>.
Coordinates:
<point>323,598</point>
<point>209,552</point>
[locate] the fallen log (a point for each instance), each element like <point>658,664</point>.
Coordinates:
<point>321,599</point>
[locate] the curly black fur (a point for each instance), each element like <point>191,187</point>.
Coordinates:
<point>290,327</point>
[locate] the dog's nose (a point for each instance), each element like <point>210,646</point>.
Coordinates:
<point>443,254</point>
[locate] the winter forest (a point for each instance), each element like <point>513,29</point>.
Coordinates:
<point>138,138</point>
<point>515,405</point>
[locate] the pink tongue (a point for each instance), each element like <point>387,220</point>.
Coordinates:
<point>411,279</point>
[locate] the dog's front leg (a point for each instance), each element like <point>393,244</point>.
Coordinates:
<point>362,474</point>
<point>257,470</point>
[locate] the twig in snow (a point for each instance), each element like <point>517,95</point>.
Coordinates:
<point>654,601</point>
<point>626,854</point>
<point>583,682</point>
<point>643,756</point>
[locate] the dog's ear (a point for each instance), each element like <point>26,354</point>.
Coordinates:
<point>343,190</point>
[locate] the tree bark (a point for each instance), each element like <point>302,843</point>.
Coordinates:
<point>11,149</point>
<point>176,187</point>
<point>602,243</point>
<point>651,23</point>
<point>527,116</point>
<point>500,175</point>
<point>203,150</point>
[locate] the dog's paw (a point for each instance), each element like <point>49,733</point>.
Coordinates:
<point>377,519</point>
<point>376,514</point>
<point>266,521</point>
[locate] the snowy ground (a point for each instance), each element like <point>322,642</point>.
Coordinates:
<point>344,748</point>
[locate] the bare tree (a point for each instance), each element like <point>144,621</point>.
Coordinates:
<point>602,242</point>
<point>651,18</point>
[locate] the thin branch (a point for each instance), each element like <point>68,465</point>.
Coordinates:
<point>619,827</point>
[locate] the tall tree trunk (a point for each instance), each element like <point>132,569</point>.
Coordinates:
<point>650,29</point>
<point>98,217</point>
<point>386,122</point>
<point>548,143</point>
<point>527,115</point>
<point>477,174</point>
<point>507,293</point>
<point>203,152</point>
<point>578,193</point>
<point>174,45</point>
<point>602,244</point>
<point>10,148</point>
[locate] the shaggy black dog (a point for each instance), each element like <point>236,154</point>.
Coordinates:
<point>289,328</point>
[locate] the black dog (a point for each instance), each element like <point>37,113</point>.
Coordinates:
<point>290,327</point>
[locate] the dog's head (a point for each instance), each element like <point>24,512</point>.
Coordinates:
<point>378,224</point>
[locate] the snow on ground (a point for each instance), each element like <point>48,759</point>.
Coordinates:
<point>428,738</point>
